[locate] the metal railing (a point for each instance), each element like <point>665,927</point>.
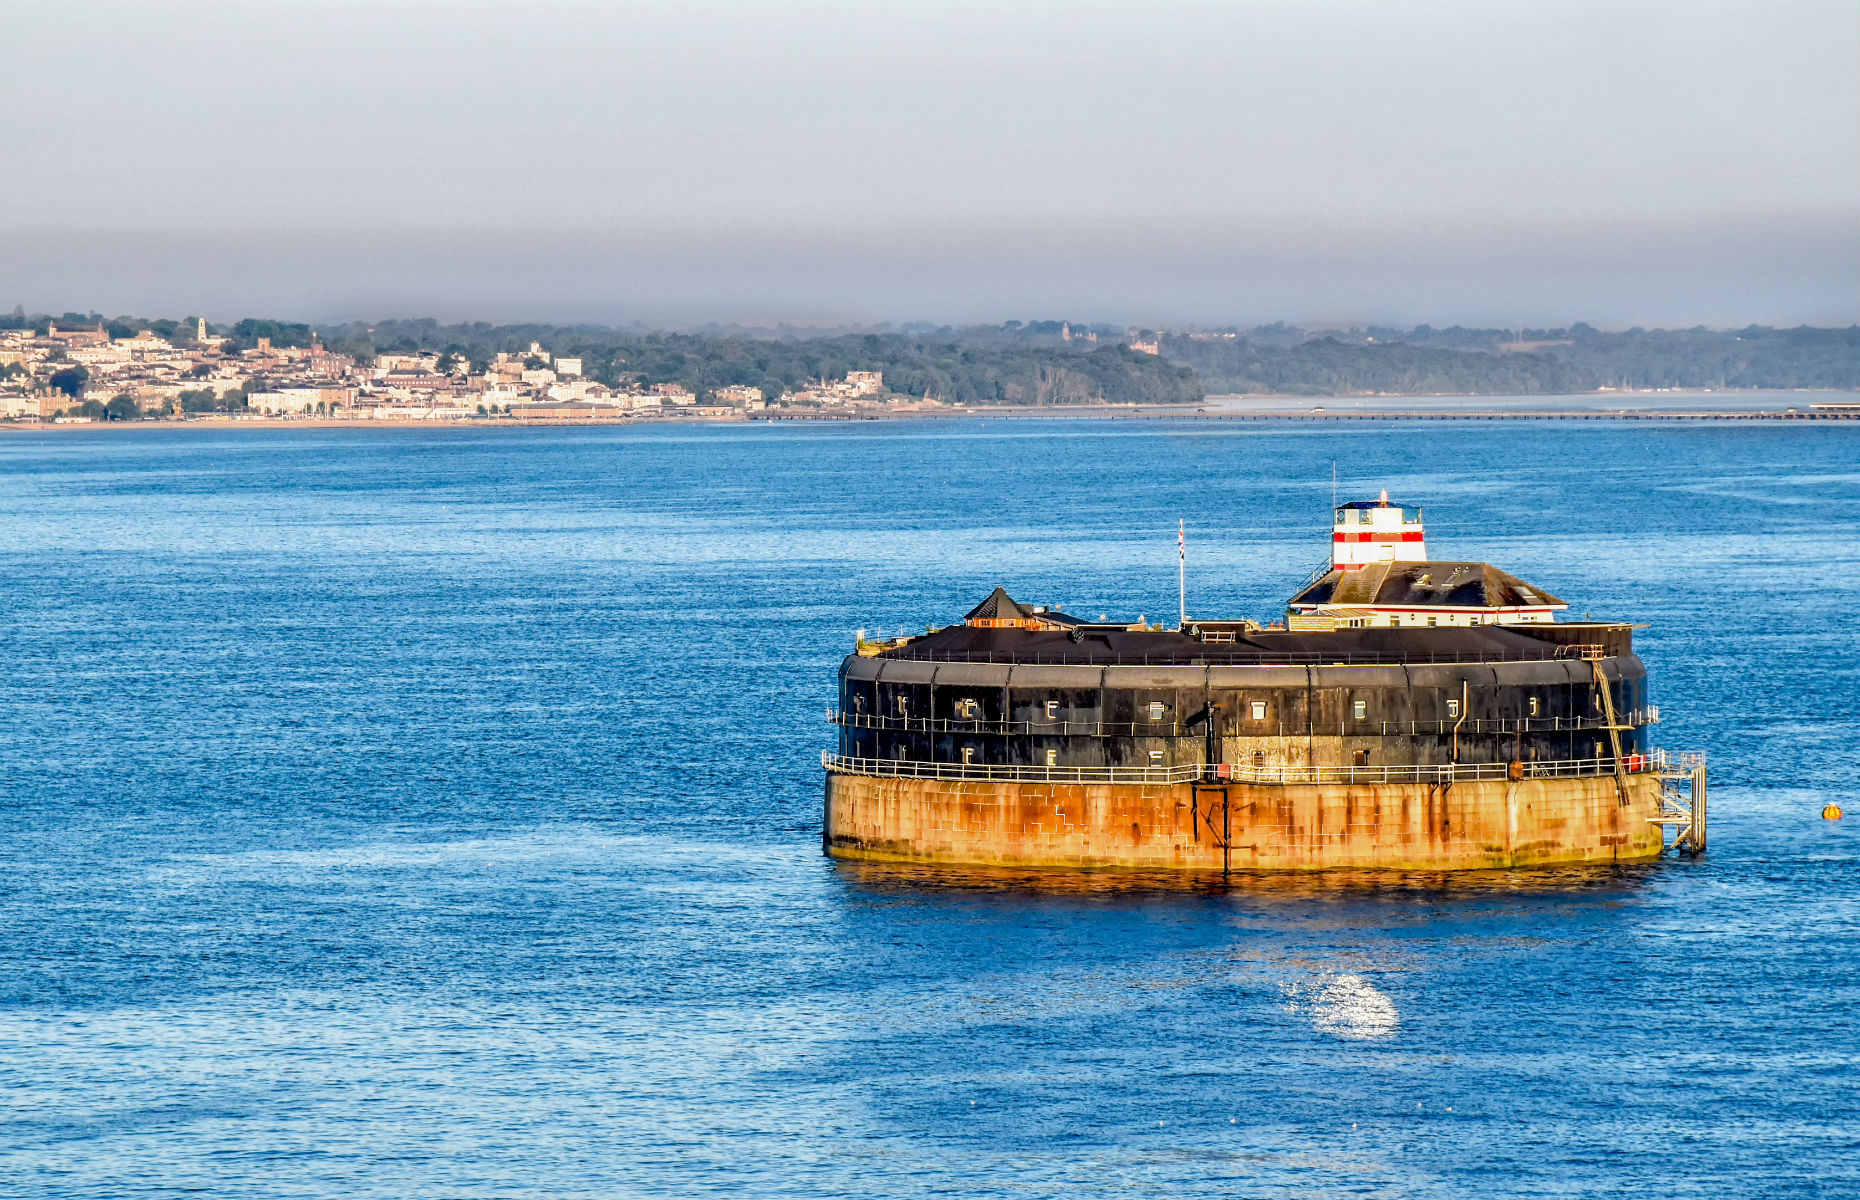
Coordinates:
<point>1658,762</point>
<point>1052,728</point>
<point>896,768</point>
<point>1084,655</point>
<point>1244,728</point>
<point>1317,573</point>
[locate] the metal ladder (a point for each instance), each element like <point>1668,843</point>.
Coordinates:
<point>1594,655</point>
<point>1224,833</point>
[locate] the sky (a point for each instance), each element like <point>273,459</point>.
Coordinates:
<point>1155,163</point>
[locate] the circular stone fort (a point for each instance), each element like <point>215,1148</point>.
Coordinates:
<point>1407,713</point>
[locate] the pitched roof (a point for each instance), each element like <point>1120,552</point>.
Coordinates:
<point>1425,585</point>
<point>998,607</point>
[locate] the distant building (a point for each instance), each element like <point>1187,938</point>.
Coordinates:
<point>300,399</point>
<point>104,355</point>
<point>324,365</point>
<point>422,412</point>
<point>416,381</point>
<point>568,366</point>
<point>568,410</point>
<point>740,394</point>
<point>579,389</point>
<point>865,383</point>
<point>422,364</point>
<point>144,343</point>
<point>87,336</point>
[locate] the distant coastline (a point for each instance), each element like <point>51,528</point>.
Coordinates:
<point>89,368</point>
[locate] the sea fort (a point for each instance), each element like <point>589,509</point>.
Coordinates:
<point>1405,713</point>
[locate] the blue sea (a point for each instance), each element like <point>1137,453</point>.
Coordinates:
<point>404,813</point>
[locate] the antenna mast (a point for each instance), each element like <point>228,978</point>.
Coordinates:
<point>1181,569</point>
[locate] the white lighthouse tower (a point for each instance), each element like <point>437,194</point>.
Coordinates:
<point>1376,531</point>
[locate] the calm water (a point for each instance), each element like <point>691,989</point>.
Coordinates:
<point>395,813</point>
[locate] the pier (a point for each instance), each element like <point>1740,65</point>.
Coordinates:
<point>1844,413</point>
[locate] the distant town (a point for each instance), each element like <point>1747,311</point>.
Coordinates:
<point>81,374</point>
<point>84,368</point>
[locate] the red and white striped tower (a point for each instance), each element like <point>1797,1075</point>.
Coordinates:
<point>1376,531</point>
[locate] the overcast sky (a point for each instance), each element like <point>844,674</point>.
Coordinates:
<point>1185,163</point>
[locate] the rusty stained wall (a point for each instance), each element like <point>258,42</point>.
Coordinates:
<point>1311,827</point>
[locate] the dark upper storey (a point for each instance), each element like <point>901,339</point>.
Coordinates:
<point>1017,685</point>
<point>1111,645</point>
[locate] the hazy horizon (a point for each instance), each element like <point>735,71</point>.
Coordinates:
<point>1331,163</point>
<point>1079,321</point>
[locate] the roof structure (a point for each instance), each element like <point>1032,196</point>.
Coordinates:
<point>1001,611</point>
<point>1411,585</point>
<point>998,607</point>
<point>1102,645</point>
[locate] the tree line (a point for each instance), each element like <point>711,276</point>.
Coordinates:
<point>1579,358</point>
<point>1057,362</point>
<point>947,365</point>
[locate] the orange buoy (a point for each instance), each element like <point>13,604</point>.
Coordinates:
<point>1832,812</point>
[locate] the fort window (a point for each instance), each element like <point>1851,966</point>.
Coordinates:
<point>1156,710</point>
<point>1259,710</point>
<point>1361,710</point>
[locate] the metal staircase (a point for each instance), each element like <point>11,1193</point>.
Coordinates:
<point>1682,802</point>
